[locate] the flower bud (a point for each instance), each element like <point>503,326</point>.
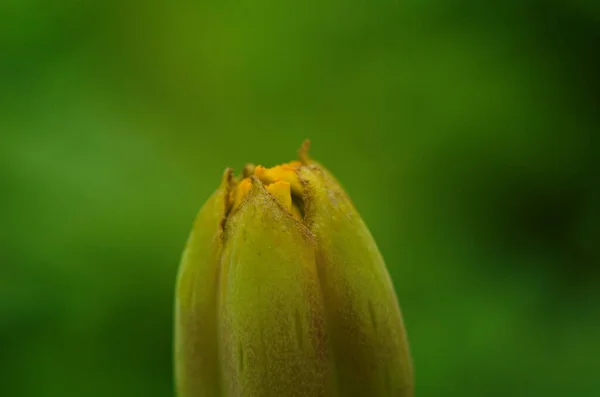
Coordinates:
<point>282,292</point>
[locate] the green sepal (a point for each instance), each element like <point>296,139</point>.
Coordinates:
<point>197,369</point>
<point>366,326</point>
<point>273,332</point>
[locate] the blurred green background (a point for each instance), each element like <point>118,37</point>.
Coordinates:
<point>466,134</point>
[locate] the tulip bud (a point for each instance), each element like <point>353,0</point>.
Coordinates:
<point>282,292</point>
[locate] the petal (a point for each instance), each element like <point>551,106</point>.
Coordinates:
<point>272,320</point>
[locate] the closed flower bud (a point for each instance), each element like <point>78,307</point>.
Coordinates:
<point>282,292</point>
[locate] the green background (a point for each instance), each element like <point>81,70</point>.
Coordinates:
<point>465,133</point>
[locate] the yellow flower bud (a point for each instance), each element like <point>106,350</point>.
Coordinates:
<point>282,292</point>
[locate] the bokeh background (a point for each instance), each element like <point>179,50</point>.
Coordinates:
<point>466,134</point>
